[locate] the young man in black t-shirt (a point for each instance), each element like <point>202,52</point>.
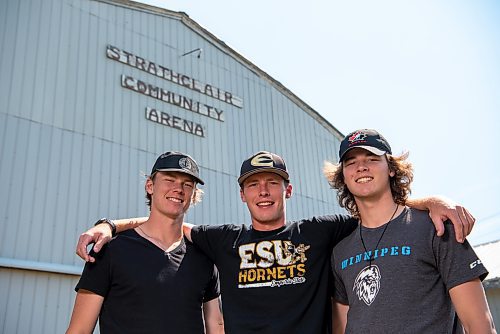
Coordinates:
<point>150,279</point>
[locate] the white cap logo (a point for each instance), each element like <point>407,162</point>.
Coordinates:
<point>262,160</point>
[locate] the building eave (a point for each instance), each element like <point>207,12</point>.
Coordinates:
<point>221,45</point>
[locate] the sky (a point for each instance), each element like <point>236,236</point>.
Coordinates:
<point>425,74</point>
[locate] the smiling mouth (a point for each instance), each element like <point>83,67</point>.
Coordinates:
<point>265,204</point>
<point>364,179</point>
<point>176,200</point>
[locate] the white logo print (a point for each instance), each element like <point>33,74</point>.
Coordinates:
<point>185,163</point>
<point>367,284</point>
<point>262,160</point>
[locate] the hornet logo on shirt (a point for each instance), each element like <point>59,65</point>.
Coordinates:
<point>271,263</point>
<point>367,284</point>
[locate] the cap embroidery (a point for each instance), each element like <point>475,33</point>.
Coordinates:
<point>358,136</point>
<point>186,163</point>
<point>262,160</point>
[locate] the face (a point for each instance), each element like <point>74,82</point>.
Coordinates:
<point>171,193</point>
<point>366,174</point>
<point>265,195</point>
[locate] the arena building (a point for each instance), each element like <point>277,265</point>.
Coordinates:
<point>91,92</point>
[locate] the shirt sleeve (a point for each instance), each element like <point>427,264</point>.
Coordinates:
<point>96,276</point>
<point>213,287</point>
<point>339,226</point>
<point>211,239</point>
<point>339,291</point>
<point>457,263</point>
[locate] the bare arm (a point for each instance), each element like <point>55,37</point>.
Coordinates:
<point>471,306</point>
<point>101,234</point>
<point>440,209</point>
<point>85,312</point>
<point>214,324</point>
<point>339,317</point>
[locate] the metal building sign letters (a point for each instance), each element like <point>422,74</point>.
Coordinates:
<point>142,64</point>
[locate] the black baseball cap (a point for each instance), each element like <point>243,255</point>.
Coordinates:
<point>367,139</point>
<point>173,161</point>
<point>263,161</point>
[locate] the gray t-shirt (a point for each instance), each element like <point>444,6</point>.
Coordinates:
<point>405,289</point>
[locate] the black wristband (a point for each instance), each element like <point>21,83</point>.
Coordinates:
<point>110,223</point>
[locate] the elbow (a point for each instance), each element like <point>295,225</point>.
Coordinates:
<point>483,325</point>
<point>215,328</point>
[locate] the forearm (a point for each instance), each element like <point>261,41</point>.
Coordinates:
<point>424,203</point>
<point>102,233</point>
<point>441,209</point>
<point>128,223</point>
<point>212,314</point>
<point>482,324</point>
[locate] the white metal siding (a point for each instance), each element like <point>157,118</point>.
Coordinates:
<point>74,142</point>
<point>33,302</point>
<point>493,296</point>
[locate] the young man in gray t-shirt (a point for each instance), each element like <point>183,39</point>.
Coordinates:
<point>392,274</point>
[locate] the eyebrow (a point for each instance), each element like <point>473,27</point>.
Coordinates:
<point>368,154</point>
<point>181,176</point>
<point>270,178</point>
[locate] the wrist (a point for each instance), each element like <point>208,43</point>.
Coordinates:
<point>110,223</point>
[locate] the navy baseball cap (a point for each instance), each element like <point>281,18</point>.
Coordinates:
<point>173,161</point>
<point>367,139</point>
<point>263,161</point>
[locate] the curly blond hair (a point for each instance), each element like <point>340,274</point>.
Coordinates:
<point>400,182</point>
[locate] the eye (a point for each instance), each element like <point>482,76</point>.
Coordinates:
<point>189,185</point>
<point>349,163</point>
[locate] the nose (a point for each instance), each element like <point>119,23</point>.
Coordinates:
<point>179,187</point>
<point>362,166</point>
<point>263,189</point>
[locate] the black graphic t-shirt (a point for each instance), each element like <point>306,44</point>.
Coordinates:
<point>275,281</point>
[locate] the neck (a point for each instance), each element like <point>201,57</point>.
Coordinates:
<point>376,212</point>
<point>268,226</point>
<point>165,229</point>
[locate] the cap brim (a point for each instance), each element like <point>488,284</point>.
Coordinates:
<point>278,171</point>
<point>197,179</point>
<point>371,149</point>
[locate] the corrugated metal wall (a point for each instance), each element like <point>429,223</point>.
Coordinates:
<point>493,296</point>
<point>74,142</point>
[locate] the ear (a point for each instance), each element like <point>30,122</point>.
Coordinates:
<point>392,173</point>
<point>149,186</point>
<point>288,191</point>
<point>242,195</point>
